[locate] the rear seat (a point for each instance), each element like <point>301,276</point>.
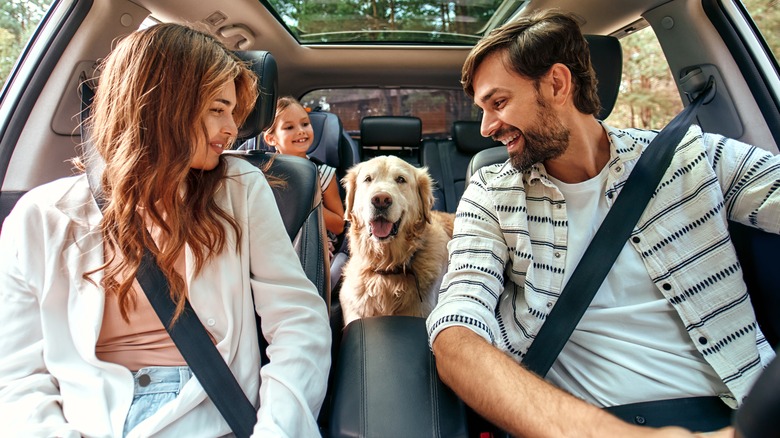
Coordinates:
<point>447,161</point>
<point>332,144</point>
<point>391,135</point>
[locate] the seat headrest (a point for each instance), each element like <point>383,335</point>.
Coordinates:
<point>606,56</point>
<point>391,131</point>
<point>327,135</point>
<point>468,139</point>
<point>261,117</point>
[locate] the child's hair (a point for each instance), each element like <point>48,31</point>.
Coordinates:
<point>282,104</point>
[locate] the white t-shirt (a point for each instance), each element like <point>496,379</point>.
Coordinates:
<point>630,345</point>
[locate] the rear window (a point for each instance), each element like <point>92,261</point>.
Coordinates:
<point>437,108</point>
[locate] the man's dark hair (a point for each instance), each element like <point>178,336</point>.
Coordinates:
<point>531,45</point>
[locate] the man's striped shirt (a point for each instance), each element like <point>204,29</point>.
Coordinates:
<point>508,252</point>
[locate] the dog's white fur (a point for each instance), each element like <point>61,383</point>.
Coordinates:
<point>399,273</point>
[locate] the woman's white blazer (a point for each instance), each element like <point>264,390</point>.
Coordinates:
<point>52,384</point>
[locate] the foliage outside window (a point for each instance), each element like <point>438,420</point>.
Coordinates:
<point>648,96</point>
<point>766,16</point>
<point>18,20</point>
<point>405,21</point>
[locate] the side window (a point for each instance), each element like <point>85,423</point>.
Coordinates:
<point>437,108</point>
<point>18,20</point>
<point>648,96</point>
<point>766,16</point>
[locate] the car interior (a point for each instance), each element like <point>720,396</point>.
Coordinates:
<point>383,379</point>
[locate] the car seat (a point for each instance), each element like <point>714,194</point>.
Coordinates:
<point>299,200</point>
<point>332,144</point>
<point>335,147</point>
<point>447,161</point>
<point>391,135</point>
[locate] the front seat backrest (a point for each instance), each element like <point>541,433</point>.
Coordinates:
<point>300,204</point>
<point>447,161</point>
<point>261,117</point>
<point>333,146</point>
<point>299,200</point>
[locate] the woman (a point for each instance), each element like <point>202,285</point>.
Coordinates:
<point>291,133</point>
<point>82,351</point>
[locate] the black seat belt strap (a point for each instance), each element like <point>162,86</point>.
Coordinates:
<point>448,185</point>
<point>202,356</point>
<point>609,240</point>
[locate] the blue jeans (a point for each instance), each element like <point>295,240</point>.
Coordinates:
<point>154,387</point>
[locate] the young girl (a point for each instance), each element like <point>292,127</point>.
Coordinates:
<point>83,352</point>
<point>291,133</point>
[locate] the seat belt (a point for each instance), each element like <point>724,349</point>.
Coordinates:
<point>197,348</point>
<point>449,182</point>
<point>610,238</point>
<point>188,333</point>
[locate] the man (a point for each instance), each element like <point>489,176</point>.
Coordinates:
<point>660,327</point>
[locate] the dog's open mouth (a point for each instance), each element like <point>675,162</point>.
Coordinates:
<point>382,228</point>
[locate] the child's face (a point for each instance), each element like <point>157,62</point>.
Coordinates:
<point>293,133</point>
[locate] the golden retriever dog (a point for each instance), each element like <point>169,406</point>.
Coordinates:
<point>397,243</point>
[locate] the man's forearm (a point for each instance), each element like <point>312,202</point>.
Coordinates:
<point>514,398</point>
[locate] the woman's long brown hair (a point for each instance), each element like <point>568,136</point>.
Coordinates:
<point>147,118</point>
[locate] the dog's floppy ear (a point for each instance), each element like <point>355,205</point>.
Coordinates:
<point>425,192</point>
<point>349,181</point>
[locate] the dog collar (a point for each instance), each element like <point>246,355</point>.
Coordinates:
<point>403,269</point>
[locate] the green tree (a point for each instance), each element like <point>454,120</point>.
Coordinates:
<point>18,20</point>
<point>383,20</point>
<point>648,95</point>
<point>766,16</point>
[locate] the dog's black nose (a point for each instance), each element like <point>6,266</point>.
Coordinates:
<point>381,200</point>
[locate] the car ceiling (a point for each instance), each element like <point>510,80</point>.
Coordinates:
<point>308,67</point>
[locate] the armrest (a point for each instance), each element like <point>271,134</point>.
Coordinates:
<point>386,383</point>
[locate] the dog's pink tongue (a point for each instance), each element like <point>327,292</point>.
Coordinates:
<point>381,228</point>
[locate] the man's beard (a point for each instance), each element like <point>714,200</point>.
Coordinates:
<point>547,140</point>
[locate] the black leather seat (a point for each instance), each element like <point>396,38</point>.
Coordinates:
<point>332,144</point>
<point>391,135</point>
<point>447,161</point>
<point>261,117</point>
<point>299,200</point>
<point>335,147</point>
